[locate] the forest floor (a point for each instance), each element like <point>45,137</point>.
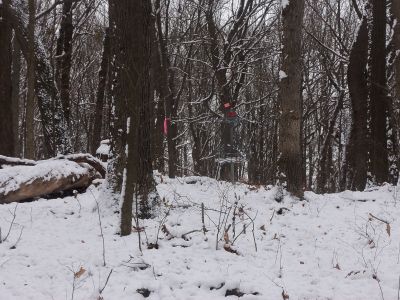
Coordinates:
<point>333,246</point>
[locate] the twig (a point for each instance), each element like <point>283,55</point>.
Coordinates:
<point>240,233</point>
<point>76,281</point>
<point>380,287</point>
<point>252,222</point>
<point>398,255</point>
<point>202,218</point>
<point>73,285</point>
<point>6,260</point>
<point>254,237</point>
<point>136,219</point>
<point>101,233</point>
<point>76,198</point>
<point>192,231</point>
<point>101,228</point>
<point>105,284</point>
<point>19,238</point>
<point>273,213</point>
<point>11,225</point>
<point>162,223</point>
<point>376,218</point>
<point>398,290</point>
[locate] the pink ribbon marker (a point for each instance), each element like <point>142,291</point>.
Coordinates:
<point>165,129</point>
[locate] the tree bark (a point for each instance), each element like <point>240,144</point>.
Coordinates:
<point>396,37</point>
<point>133,31</point>
<point>64,59</point>
<point>103,71</point>
<point>290,137</point>
<point>6,115</point>
<point>325,180</point>
<point>357,149</point>
<point>378,93</point>
<point>118,113</point>
<point>167,93</point>
<point>157,133</point>
<point>16,77</point>
<point>30,97</point>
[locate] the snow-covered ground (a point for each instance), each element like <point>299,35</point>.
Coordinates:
<point>336,246</point>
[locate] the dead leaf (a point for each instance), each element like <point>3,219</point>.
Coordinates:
<point>388,229</point>
<point>337,266</point>
<point>226,237</point>
<point>79,273</point>
<point>284,295</point>
<point>263,228</point>
<point>137,229</point>
<point>167,233</point>
<point>229,249</point>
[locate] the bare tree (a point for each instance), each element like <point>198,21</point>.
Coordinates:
<point>133,31</point>
<point>30,97</point>
<point>357,150</point>
<point>6,116</point>
<point>396,36</point>
<point>290,99</point>
<point>16,78</point>
<point>100,95</point>
<point>64,59</point>
<point>378,93</point>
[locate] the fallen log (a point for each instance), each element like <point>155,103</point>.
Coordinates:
<point>13,161</point>
<point>88,159</point>
<point>29,179</point>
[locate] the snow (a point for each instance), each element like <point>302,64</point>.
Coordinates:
<point>104,148</point>
<point>282,75</point>
<point>15,160</point>
<point>284,3</point>
<point>327,247</point>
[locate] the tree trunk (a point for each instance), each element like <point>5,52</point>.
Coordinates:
<point>98,118</point>
<point>357,149</point>
<point>46,92</point>
<point>167,93</point>
<point>30,97</point>
<point>6,115</point>
<point>290,161</point>
<point>378,93</point>
<point>64,59</point>
<point>133,31</point>
<point>16,77</point>
<point>118,113</point>
<point>325,181</point>
<point>396,37</point>
<point>326,166</point>
<point>157,138</point>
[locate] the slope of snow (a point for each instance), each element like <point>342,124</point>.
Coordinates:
<point>333,246</point>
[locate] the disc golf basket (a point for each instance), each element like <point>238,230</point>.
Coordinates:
<point>229,149</point>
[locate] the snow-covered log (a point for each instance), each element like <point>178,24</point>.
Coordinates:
<point>87,159</point>
<point>13,161</point>
<point>29,179</point>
